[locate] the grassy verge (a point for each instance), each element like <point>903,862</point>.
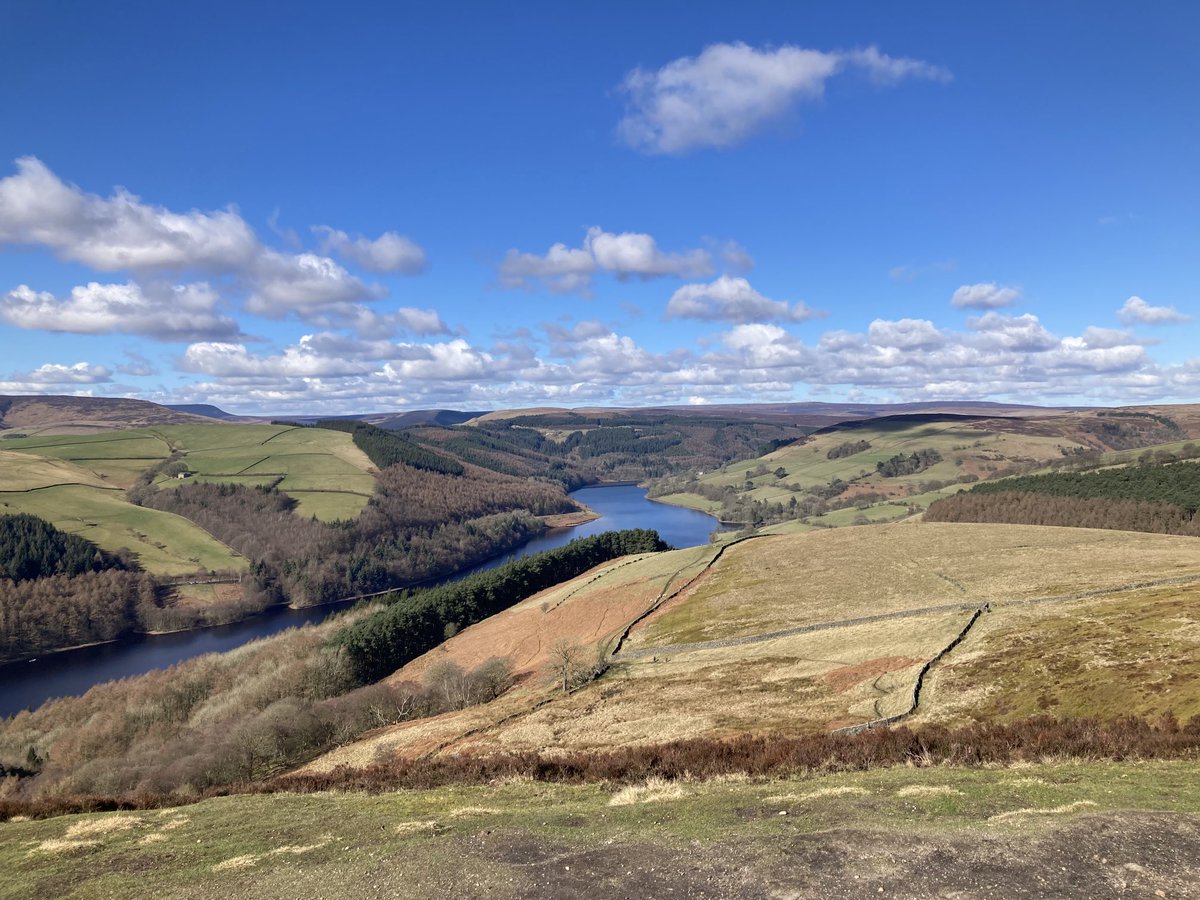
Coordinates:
<point>533,839</point>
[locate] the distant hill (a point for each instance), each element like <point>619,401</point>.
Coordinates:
<point>393,420</point>
<point>83,415</point>
<point>206,409</point>
<point>801,413</point>
<point>427,417</point>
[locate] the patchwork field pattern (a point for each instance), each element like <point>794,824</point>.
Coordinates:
<point>78,482</point>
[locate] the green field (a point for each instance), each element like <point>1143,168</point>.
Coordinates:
<point>1064,829</point>
<point>880,512</point>
<point>970,451</point>
<point>78,482</point>
<point>323,470</point>
<point>165,544</point>
<point>966,448</point>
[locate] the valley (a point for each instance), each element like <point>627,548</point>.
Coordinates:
<point>858,610</point>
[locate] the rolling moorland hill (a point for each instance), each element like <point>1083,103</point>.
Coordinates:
<point>887,468</point>
<point>784,635</point>
<point>825,630</point>
<point>30,415</point>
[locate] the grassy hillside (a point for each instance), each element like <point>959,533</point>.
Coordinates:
<point>83,415</point>
<point>323,470</point>
<point>869,467</point>
<point>86,498</point>
<point>1045,829</point>
<point>78,482</point>
<point>811,631</point>
<point>610,445</point>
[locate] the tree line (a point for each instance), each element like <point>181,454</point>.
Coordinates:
<point>1029,508</point>
<point>387,448</point>
<point>1177,484</point>
<point>416,622</point>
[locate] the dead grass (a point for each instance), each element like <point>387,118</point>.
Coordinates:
<point>1053,811</point>
<point>790,580</point>
<point>104,826</point>
<point>1136,653</point>
<point>655,790</point>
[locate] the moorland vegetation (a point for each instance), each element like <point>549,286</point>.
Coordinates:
<point>277,702</point>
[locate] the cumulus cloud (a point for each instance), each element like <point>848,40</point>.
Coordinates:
<point>1137,311</point>
<point>370,323</point>
<point>1024,334</point>
<point>117,232</point>
<point>997,356</point>
<point>231,360</point>
<point>905,334</point>
<point>732,299</point>
<point>564,269</point>
<point>985,295</point>
<point>731,91</point>
<point>55,374</point>
<point>734,255</point>
<point>303,284</point>
<point>122,232</point>
<point>390,252</point>
<point>185,312</point>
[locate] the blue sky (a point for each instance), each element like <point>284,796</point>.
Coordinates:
<point>374,206</point>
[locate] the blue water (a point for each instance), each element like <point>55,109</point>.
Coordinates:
<point>26,685</point>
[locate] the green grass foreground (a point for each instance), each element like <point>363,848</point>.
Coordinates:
<point>525,838</point>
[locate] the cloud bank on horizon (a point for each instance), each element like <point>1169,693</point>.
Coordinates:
<point>197,305</point>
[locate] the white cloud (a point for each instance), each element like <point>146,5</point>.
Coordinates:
<point>1137,311</point>
<point>998,356</point>
<point>117,232</point>
<point>450,361</point>
<point>121,232</point>
<point>730,91</point>
<point>905,334</point>
<point>986,295</point>
<point>54,374</point>
<point>732,299</point>
<point>229,360</point>
<point>186,312</point>
<point>735,255</point>
<point>565,269</point>
<point>1024,334</point>
<point>634,254</point>
<point>371,324</point>
<point>303,284</point>
<point>390,252</point>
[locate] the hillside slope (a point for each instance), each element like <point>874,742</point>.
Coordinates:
<point>796,633</point>
<point>84,415</point>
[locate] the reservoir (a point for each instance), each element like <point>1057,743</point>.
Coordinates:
<point>25,685</point>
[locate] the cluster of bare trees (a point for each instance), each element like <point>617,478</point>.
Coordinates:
<point>418,525</point>
<point>66,611</point>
